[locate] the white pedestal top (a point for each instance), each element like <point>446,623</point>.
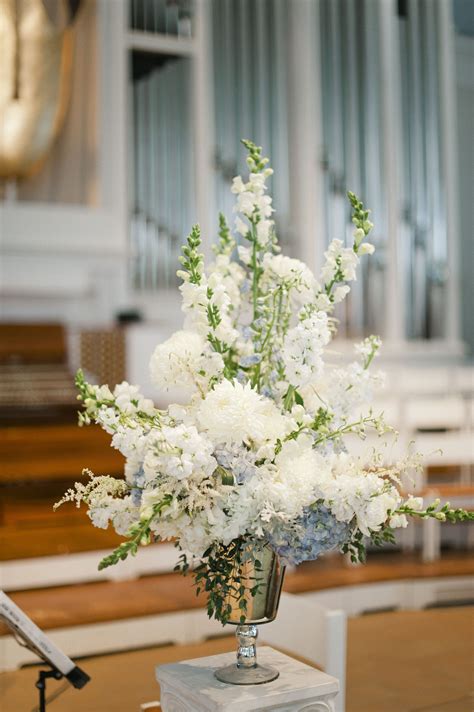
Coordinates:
<point>190,686</point>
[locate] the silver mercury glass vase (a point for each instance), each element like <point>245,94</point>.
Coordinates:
<point>261,608</point>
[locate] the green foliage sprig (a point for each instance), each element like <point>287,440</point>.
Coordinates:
<point>139,534</point>
<point>220,574</point>
<point>191,259</point>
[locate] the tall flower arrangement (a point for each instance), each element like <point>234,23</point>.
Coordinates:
<point>258,453</point>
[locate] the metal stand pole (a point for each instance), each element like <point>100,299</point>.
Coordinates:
<point>41,685</point>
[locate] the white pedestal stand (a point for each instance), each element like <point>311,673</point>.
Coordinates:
<point>190,686</point>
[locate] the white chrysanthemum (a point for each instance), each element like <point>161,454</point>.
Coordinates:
<point>233,413</point>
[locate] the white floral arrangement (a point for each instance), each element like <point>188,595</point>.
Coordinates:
<point>259,452</point>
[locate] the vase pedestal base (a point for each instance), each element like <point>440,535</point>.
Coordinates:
<point>191,686</point>
<point>258,675</point>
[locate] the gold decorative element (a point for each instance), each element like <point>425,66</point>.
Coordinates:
<point>35,83</point>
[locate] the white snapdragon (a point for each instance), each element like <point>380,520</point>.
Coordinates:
<point>232,276</point>
<point>303,348</point>
<point>254,204</point>
<point>415,503</point>
<point>341,263</point>
<point>197,299</point>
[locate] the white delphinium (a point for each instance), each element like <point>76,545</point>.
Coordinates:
<point>234,413</point>
<point>184,360</point>
<point>303,348</point>
<point>347,390</point>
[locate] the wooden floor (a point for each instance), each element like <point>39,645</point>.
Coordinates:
<point>99,602</point>
<point>411,661</point>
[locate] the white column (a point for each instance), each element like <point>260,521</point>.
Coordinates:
<point>447,88</point>
<point>204,125</point>
<point>305,132</point>
<point>395,296</point>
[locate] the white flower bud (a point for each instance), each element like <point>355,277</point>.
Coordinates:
<point>415,503</point>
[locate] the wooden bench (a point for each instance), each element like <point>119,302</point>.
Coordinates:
<point>55,453</point>
<point>37,465</point>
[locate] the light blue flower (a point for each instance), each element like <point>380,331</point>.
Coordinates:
<point>308,536</point>
<point>252,360</point>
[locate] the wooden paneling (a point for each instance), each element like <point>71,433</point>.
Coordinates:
<point>38,464</point>
<point>30,453</point>
<point>32,343</point>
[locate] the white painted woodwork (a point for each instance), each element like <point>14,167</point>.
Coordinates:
<point>190,685</point>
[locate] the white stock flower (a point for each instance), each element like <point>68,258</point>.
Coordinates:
<point>179,452</point>
<point>358,494</point>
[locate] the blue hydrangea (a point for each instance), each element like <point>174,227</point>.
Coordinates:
<point>312,534</point>
<point>139,483</point>
<point>237,460</point>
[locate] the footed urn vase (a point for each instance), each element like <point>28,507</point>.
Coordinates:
<point>261,608</point>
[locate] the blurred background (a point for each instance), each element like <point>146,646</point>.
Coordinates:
<point>120,126</point>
